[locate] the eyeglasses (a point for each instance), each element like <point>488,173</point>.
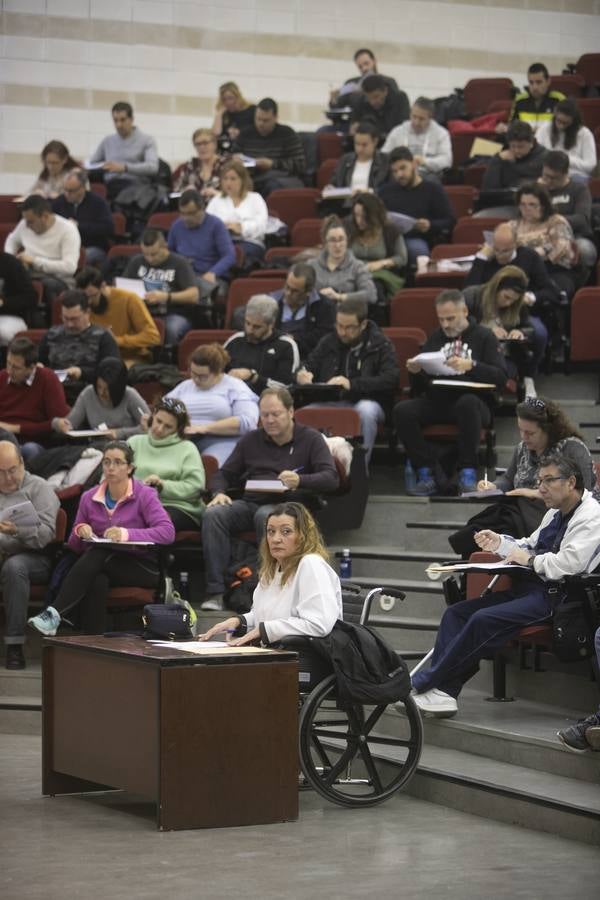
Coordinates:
<point>107,462</point>
<point>548,480</point>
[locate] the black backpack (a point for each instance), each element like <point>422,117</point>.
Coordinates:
<point>366,668</point>
<point>241,578</point>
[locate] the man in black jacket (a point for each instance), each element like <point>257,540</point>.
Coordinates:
<point>260,355</point>
<point>280,450</point>
<point>90,212</point>
<point>361,361</point>
<point>384,108</point>
<point>17,297</point>
<point>473,354</point>
<point>517,164</point>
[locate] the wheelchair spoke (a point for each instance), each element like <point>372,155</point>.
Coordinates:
<point>373,719</point>
<point>365,753</point>
<point>342,762</point>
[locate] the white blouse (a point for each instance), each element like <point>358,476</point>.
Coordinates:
<point>251,213</point>
<point>582,156</point>
<point>310,603</point>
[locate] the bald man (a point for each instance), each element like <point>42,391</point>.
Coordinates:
<point>23,561</point>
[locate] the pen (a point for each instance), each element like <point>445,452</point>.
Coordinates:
<point>299,469</point>
<point>141,411</point>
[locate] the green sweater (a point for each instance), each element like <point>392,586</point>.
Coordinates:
<point>178,465</point>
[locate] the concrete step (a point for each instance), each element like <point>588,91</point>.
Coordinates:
<point>20,715</point>
<point>24,683</point>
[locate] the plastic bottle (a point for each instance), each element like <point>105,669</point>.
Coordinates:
<point>346,564</point>
<point>410,479</point>
<point>183,586</point>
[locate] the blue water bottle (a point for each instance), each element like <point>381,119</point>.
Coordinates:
<point>410,478</point>
<point>346,564</point>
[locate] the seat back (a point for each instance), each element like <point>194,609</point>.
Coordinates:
<point>162,221</point>
<point>569,85</point>
<point>120,223</point>
<point>469,229</point>
<point>198,337</point>
<point>211,467</point>
<point>124,250</point>
<point>451,251</point>
<point>588,66</point>
<point>35,335</point>
<point>293,204</point>
<point>590,111</point>
<point>480,92</point>
<point>241,289</point>
<point>306,233</point>
<point>10,211</point>
<point>326,170</point>
<point>274,253</point>
<point>462,198</point>
<point>329,145</point>
<point>585,325</point>
<point>407,343</point>
<point>331,420</point>
<point>414,308</point>
<point>5,230</point>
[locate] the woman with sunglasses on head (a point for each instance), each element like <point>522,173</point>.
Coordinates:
<point>298,593</point>
<point>120,509</point>
<point>168,462</point>
<point>544,428</point>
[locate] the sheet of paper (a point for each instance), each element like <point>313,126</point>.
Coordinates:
<point>209,648</point>
<point>100,540</point>
<point>331,192</point>
<point>23,515</point>
<point>61,374</point>
<point>404,223</point>
<point>484,147</point>
<point>491,567</point>
<point>87,432</point>
<point>248,161</point>
<point>266,485</point>
<point>455,382</point>
<point>488,237</point>
<point>434,363</point>
<point>90,166</point>
<point>184,645</point>
<point>483,494</point>
<point>133,285</point>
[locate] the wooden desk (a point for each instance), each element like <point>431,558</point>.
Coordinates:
<point>211,740</point>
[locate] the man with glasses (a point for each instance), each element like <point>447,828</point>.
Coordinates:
<point>361,361</point>
<point>571,198</point>
<point>30,397</point>
<point>22,561</point>
<point>89,212</point>
<point>566,543</point>
<point>519,162</point>
<point>76,347</point>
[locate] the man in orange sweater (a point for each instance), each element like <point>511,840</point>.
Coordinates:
<point>30,397</point>
<point>123,313</point>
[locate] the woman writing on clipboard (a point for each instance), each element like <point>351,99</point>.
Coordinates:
<point>120,510</point>
<point>298,593</point>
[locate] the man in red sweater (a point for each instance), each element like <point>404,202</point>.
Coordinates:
<point>30,397</point>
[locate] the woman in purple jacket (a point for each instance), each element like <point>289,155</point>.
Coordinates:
<point>120,510</point>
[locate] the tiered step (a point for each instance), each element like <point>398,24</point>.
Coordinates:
<point>21,700</point>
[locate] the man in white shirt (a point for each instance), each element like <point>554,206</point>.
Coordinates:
<point>46,244</point>
<point>428,142</point>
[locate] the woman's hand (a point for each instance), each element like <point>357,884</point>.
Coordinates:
<point>500,332</point>
<point>114,533</point>
<point>84,531</point>
<point>234,227</point>
<point>153,481</point>
<point>252,635</point>
<point>516,335</point>
<point>144,421</point>
<point>196,429</point>
<point>331,294</point>
<point>64,426</point>
<point>230,624</point>
<point>377,264</point>
<point>487,540</point>
<point>484,485</point>
<point>530,493</point>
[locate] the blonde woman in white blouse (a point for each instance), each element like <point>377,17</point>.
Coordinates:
<point>243,211</point>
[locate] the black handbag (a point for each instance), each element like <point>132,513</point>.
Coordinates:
<point>170,622</point>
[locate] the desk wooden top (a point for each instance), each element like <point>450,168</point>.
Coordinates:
<point>141,650</point>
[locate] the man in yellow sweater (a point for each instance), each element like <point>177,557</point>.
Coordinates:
<point>124,313</point>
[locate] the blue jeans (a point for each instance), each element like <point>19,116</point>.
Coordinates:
<point>18,572</point>
<point>371,416</point>
<point>416,246</point>
<point>474,629</point>
<point>176,327</point>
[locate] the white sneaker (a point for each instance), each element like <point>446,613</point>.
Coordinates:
<point>46,622</point>
<point>529,386</point>
<point>213,603</point>
<point>436,703</point>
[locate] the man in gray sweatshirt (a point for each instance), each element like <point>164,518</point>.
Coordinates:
<point>127,155</point>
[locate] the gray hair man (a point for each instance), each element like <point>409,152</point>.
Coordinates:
<point>260,354</point>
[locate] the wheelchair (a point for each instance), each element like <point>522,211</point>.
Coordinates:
<point>345,753</point>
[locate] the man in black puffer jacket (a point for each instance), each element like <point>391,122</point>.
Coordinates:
<point>362,361</point>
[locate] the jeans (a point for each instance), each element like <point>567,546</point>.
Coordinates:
<point>176,327</point>
<point>371,416</point>
<point>16,575</point>
<point>219,447</point>
<point>219,524</point>
<point>474,629</point>
<point>88,583</point>
<point>467,411</point>
<point>416,246</point>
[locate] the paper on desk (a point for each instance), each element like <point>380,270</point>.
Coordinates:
<point>88,432</point>
<point>265,485</point>
<point>434,363</point>
<point>404,223</point>
<point>331,191</point>
<point>184,645</point>
<point>98,540</point>
<point>247,161</point>
<point>455,382</point>
<point>90,166</point>
<point>480,567</point>
<point>484,147</point>
<point>209,648</point>
<point>23,515</point>
<point>483,494</point>
<point>134,285</point>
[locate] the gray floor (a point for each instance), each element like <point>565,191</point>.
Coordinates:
<point>107,847</point>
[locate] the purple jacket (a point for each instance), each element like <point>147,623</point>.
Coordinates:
<point>140,512</point>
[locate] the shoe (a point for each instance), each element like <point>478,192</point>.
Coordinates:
<point>529,387</point>
<point>436,703</point>
<point>46,622</point>
<point>15,658</point>
<point>467,480</point>
<point>425,486</point>
<point>575,737</point>
<point>214,602</point>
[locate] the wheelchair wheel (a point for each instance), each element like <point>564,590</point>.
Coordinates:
<point>345,755</point>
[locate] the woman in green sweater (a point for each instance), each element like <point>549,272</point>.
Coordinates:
<point>165,459</point>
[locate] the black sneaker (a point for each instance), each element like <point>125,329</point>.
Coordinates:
<point>574,738</point>
<point>15,658</point>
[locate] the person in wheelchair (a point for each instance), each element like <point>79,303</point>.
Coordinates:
<point>566,543</point>
<point>298,593</point>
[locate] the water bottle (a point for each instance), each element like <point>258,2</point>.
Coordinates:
<point>410,479</point>
<point>346,564</point>
<point>183,586</point>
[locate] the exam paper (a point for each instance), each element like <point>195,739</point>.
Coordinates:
<point>434,363</point>
<point>404,223</point>
<point>99,540</point>
<point>266,485</point>
<point>133,285</point>
<point>23,515</point>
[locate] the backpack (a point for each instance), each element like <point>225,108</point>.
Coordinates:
<point>366,668</point>
<point>241,578</point>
